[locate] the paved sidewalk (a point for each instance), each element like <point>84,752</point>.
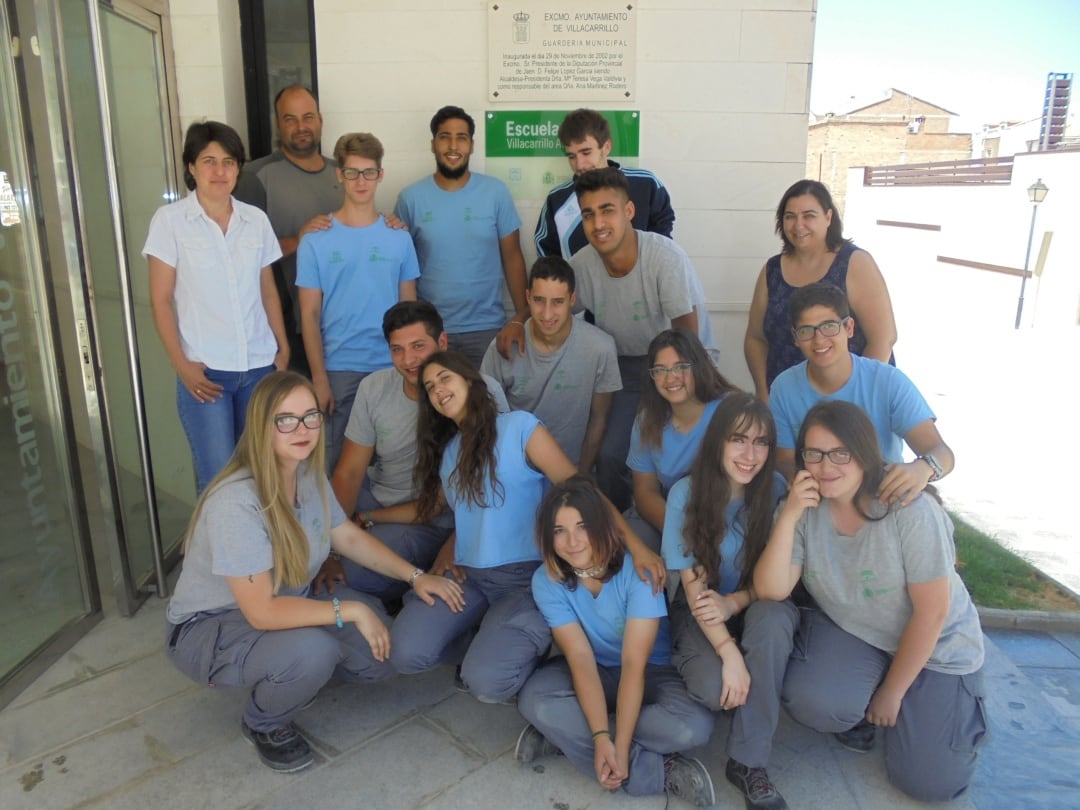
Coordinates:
<point>113,725</point>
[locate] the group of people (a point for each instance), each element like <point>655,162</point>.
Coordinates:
<point>579,514</point>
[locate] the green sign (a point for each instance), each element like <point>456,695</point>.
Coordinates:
<point>535,133</point>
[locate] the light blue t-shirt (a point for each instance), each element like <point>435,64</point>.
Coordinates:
<point>673,458</point>
<point>457,237</point>
<point>676,557</point>
<point>603,617</point>
<point>359,271</point>
<point>502,532</point>
<point>889,398</point>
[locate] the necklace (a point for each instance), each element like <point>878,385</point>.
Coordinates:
<point>590,573</point>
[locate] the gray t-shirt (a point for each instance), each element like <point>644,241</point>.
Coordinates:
<point>230,539</point>
<point>290,196</point>
<point>635,308</point>
<point>384,418</point>
<point>861,582</point>
<point>558,387</point>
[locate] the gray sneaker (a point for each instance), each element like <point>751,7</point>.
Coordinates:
<point>859,739</point>
<point>531,744</point>
<point>282,749</point>
<point>756,787</point>
<point>689,780</point>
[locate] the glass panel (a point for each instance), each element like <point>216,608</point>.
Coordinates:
<point>134,76</point>
<point>42,584</point>
<point>103,270</point>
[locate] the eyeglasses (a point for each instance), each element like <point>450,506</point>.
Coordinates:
<point>658,372</point>
<point>369,174</point>
<point>288,423</point>
<point>841,455</point>
<point>827,329</point>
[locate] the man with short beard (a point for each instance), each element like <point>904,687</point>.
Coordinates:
<point>297,187</point>
<point>465,228</point>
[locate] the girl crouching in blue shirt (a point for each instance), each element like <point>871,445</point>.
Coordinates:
<point>614,705</point>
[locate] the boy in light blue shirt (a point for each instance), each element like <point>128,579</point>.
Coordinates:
<point>348,276</point>
<point>466,231</point>
<point>821,323</point>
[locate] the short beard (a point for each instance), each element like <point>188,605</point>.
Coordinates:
<point>451,174</point>
<point>314,149</point>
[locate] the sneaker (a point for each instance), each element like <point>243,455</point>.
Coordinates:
<point>688,779</point>
<point>283,750</point>
<point>531,744</point>
<point>754,784</point>
<point>859,739</point>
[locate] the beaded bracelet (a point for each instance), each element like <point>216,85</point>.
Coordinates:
<point>337,612</point>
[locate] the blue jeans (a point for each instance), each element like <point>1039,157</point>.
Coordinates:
<point>213,428</point>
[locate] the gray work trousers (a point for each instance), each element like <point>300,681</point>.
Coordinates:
<point>931,752</point>
<point>764,633</point>
<point>511,634</point>
<point>284,669</point>
<point>669,721</point>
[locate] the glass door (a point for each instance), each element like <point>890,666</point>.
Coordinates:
<point>121,124</point>
<point>45,589</point>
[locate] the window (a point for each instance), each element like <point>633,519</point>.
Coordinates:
<point>278,39</point>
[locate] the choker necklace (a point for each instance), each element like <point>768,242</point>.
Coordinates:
<point>589,573</point>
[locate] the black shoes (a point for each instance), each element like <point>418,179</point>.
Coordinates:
<point>531,744</point>
<point>859,739</point>
<point>756,787</point>
<point>283,750</point>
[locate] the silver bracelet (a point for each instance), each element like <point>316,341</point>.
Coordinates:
<point>419,572</point>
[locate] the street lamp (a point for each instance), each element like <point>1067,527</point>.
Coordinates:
<point>1036,193</point>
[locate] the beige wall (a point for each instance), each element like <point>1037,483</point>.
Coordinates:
<point>209,62</point>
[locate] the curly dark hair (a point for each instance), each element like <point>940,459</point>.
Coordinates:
<point>579,492</point>
<point>710,490</point>
<point>476,458</point>
<point>654,411</point>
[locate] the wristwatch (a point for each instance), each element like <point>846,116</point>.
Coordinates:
<point>938,471</point>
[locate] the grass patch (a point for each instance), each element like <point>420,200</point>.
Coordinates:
<point>998,578</point>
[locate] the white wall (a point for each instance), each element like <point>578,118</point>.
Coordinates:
<point>988,224</point>
<point>723,86</point>
<point>209,63</point>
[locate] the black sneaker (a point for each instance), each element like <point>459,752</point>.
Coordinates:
<point>531,744</point>
<point>283,750</point>
<point>756,787</point>
<point>859,739</point>
<point>459,682</point>
<point>689,780</point>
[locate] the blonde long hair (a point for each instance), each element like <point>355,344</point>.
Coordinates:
<point>255,456</point>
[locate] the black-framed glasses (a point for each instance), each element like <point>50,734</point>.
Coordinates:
<point>368,174</point>
<point>657,372</point>
<point>840,455</point>
<point>827,329</point>
<point>288,423</point>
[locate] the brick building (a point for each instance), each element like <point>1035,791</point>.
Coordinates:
<point>897,129</point>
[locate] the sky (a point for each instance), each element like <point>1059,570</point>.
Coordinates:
<point>986,61</point>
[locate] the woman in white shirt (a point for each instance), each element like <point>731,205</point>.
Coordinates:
<point>212,293</point>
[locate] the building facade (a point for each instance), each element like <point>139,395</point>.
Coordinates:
<point>94,99</point>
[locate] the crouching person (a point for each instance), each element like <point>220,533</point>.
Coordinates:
<point>614,705</point>
<point>241,615</point>
<point>896,643</point>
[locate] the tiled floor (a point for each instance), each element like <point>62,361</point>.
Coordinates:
<point>113,725</point>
